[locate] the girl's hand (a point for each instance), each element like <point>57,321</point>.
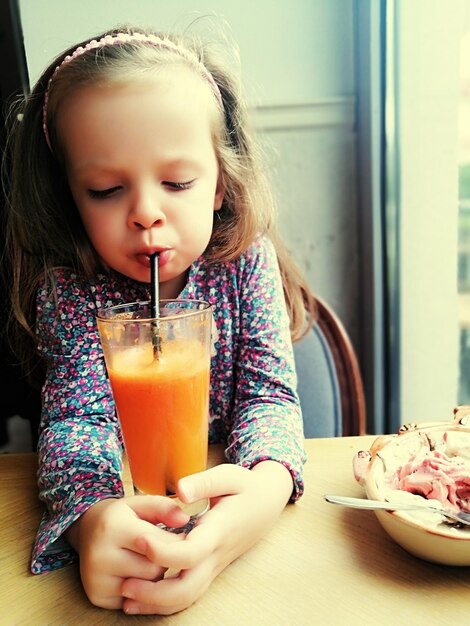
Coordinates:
<point>104,537</point>
<point>244,505</point>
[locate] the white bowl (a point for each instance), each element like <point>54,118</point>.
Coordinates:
<point>424,535</point>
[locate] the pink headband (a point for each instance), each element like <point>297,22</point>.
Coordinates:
<point>123,38</point>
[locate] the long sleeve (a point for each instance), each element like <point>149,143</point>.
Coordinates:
<point>267,421</point>
<point>254,409</point>
<point>79,447</point>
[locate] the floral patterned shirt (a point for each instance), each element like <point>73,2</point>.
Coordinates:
<point>254,407</point>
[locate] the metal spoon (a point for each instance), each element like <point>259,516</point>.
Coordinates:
<point>364,503</point>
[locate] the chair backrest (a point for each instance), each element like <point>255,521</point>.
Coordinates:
<point>329,379</point>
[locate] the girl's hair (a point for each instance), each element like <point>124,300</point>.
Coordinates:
<point>43,227</point>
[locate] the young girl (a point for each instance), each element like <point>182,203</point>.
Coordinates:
<point>129,144</point>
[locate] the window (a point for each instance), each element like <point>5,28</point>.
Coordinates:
<point>464,215</point>
<point>427,348</point>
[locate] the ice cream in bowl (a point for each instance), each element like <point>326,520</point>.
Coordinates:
<point>428,462</point>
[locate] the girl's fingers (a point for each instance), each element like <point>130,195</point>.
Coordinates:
<point>166,596</point>
<point>137,565</point>
<point>155,509</point>
<point>221,480</point>
<point>210,529</point>
<point>185,554</point>
<point>149,512</point>
<point>147,598</point>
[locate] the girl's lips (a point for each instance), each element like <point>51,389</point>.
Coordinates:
<point>144,258</point>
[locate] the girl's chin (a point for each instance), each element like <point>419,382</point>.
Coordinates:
<point>134,271</point>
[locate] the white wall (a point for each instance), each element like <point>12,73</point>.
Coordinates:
<point>292,50</point>
<point>298,69</point>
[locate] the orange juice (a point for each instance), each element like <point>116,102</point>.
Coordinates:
<point>163,407</point>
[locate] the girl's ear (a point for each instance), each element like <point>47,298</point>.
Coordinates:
<point>219,194</point>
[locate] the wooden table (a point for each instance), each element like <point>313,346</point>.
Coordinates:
<point>320,564</point>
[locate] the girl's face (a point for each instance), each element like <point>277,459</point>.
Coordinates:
<point>143,171</point>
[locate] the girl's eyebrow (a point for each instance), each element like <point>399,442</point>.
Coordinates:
<point>93,166</point>
<point>106,168</point>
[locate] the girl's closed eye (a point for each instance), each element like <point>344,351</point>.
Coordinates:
<point>179,186</point>
<point>102,193</point>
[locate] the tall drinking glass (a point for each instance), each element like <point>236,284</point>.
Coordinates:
<point>161,395</point>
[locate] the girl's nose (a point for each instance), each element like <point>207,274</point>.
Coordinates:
<point>146,211</point>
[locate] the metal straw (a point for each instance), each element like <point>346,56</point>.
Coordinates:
<point>155,305</point>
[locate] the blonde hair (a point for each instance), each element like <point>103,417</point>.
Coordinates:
<point>43,227</point>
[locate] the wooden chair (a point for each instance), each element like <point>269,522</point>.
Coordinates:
<point>329,379</point>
